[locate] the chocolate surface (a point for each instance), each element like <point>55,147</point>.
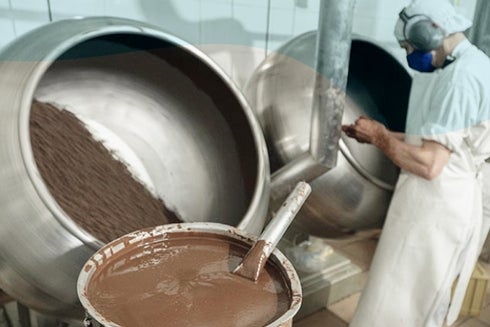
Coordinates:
<point>253,262</point>
<point>186,280</point>
<point>95,190</point>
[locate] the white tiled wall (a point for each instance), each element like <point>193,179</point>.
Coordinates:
<point>6,23</point>
<point>20,16</point>
<point>237,34</point>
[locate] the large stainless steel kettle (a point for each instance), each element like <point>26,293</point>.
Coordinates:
<point>354,194</point>
<point>190,131</point>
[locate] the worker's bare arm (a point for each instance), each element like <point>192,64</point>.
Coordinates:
<point>426,160</point>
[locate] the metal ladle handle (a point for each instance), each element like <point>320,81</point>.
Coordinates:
<point>256,258</point>
<point>276,228</point>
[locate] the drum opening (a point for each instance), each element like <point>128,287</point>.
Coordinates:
<point>170,112</point>
<point>203,76</point>
<point>386,84</point>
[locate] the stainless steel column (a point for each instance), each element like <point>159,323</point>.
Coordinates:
<point>479,32</point>
<point>332,63</point>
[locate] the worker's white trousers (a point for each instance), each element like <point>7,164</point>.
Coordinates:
<point>431,236</point>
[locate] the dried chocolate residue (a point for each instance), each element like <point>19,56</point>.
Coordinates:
<point>96,190</point>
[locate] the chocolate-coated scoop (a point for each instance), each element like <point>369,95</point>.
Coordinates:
<point>253,262</point>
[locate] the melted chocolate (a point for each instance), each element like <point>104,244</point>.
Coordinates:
<point>254,261</point>
<point>186,280</point>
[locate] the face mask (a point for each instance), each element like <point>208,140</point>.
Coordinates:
<point>421,61</point>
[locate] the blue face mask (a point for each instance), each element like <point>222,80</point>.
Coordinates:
<point>421,61</point>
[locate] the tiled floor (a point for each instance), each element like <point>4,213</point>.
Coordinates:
<point>339,314</point>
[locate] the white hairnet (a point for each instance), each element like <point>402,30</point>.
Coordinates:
<point>441,12</point>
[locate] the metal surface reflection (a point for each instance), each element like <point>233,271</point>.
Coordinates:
<point>355,194</point>
<point>164,105</point>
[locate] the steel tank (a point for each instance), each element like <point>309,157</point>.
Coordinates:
<point>183,125</point>
<point>355,194</point>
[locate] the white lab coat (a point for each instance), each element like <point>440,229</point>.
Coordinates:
<point>486,204</point>
<point>433,228</point>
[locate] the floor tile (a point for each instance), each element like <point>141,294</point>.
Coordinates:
<point>474,323</point>
<point>361,252</point>
<point>345,308</point>
<point>322,318</point>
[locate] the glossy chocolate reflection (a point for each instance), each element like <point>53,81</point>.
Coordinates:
<point>186,280</point>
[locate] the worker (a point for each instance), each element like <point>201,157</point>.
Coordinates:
<point>432,233</point>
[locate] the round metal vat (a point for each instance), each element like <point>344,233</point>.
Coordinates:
<point>183,125</point>
<point>138,243</point>
<point>355,194</point>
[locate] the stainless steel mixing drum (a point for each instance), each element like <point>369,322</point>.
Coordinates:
<point>159,103</point>
<point>354,195</point>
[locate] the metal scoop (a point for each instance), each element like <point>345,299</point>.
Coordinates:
<point>253,262</point>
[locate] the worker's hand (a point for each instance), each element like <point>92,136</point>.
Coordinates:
<point>365,130</point>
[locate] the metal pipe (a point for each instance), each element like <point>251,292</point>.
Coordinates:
<point>478,34</point>
<point>332,64</point>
